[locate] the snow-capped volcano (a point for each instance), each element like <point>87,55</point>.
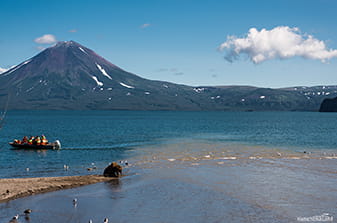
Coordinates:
<point>71,76</point>
<point>81,79</point>
<point>71,62</point>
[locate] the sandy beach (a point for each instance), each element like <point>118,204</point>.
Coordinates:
<point>20,187</point>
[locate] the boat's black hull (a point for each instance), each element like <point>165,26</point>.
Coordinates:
<point>35,147</point>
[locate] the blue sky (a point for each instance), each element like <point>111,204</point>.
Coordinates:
<point>181,39</point>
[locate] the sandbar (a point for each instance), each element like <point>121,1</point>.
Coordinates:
<point>13,188</point>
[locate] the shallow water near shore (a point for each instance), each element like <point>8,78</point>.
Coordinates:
<point>185,166</point>
<point>203,190</point>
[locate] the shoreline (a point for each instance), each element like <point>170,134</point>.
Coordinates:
<point>13,188</point>
<point>272,190</point>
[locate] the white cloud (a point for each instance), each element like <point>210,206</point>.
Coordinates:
<point>3,70</point>
<point>46,39</point>
<point>145,25</point>
<point>282,42</point>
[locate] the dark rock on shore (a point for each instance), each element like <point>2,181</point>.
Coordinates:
<point>113,170</point>
<point>329,105</point>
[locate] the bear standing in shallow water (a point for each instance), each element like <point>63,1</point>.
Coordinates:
<point>113,170</point>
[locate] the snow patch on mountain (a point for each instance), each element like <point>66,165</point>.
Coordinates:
<point>28,90</point>
<point>97,81</point>
<point>199,89</point>
<point>103,71</point>
<point>17,67</point>
<point>82,50</point>
<point>3,70</point>
<point>125,85</point>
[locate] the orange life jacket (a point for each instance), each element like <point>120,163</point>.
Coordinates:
<point>44,141</point>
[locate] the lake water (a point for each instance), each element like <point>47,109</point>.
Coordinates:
<point>103,136</point>
<point>244,166</point>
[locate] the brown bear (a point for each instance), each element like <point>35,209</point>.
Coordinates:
<point>113,170</point>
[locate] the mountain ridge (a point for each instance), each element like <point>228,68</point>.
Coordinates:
<point>69,76</point>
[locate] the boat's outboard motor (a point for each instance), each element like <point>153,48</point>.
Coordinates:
<point>57,144</point>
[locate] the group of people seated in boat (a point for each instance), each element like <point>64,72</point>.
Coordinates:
<point>37,140</point>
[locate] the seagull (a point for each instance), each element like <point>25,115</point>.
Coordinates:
<point>14,219</point>
<point>75,202</point>
<point>90,221</point>
<point>106,220</point>
<point>27,169</point>
<point>279,154</point>
<point>28,211</point>
<point>126,163</point>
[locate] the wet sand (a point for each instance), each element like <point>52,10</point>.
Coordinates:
<point>20,187</point>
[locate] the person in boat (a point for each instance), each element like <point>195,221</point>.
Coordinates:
<point>25,140</point>
<point>37,140</point>
<point>17,141</point>
<point>31,140</point>
<point>44,140</point>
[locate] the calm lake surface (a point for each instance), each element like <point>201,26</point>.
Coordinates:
<point>103,136</point>
<point>184,166</point>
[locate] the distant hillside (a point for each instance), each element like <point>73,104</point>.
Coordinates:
<point>69,76</point>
